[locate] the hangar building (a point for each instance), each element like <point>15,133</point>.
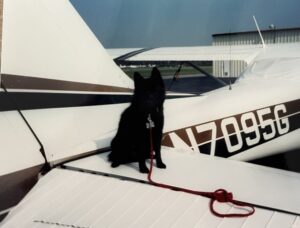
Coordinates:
<point>272,35</point>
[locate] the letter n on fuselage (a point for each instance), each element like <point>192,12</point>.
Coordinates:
<point>181,139</point>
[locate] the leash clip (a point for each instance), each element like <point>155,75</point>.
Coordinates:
<point>150,123</point>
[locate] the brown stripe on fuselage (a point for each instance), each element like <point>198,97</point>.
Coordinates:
<point>166,141</point>
<point>292,107</point>
<point>1,24</point>
<point>26,82</point>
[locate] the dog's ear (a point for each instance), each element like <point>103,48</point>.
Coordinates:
<point>155,75</point>
<point>138,79</point>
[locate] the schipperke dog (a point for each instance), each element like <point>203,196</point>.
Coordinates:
<point>132,141</point>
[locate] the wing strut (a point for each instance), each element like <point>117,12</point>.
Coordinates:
<point>206,73</point>
<point>47,166</point>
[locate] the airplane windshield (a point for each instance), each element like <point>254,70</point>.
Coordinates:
<point>281,68</point>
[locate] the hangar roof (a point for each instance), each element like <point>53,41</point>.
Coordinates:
<point>255,31</point>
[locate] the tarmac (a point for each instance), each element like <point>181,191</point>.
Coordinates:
<point>194,83</point>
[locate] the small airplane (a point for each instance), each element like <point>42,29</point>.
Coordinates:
<point>62,94</point>
<point>236,131</point>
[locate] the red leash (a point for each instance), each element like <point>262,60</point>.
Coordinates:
<point>220,195</point>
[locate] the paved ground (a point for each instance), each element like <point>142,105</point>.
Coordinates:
<point>194,84</point>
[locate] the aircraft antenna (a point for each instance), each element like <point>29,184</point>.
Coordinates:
<point>261,37</point>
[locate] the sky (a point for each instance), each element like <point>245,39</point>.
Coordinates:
<point>160,23</point>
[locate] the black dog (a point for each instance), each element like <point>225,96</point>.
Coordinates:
<point>132,141</point>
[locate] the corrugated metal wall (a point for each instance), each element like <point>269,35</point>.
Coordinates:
<point>234,68</point>
<point>1,20</point>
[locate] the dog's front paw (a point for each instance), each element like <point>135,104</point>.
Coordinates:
<point>161,165</point>
<point>144,169</point>
<point>114,164</point>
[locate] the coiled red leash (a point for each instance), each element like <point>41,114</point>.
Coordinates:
<point>220,195</point>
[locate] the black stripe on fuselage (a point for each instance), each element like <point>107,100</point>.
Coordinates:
<point>239,137</point>
<point>31,100</point>
<point>222,150</point>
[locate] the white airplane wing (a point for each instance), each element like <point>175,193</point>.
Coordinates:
<point>195,53</point>
<point>88,193</point>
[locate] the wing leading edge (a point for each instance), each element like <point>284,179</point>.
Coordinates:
<point>196,53</point>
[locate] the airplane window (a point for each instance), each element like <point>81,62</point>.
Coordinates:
<point>275,68</point>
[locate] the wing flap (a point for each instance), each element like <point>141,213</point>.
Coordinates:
<point>238,177</point>
<point>75,199</point>
<point>81,196</point>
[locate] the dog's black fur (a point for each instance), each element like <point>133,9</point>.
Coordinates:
<point>132,141</point>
